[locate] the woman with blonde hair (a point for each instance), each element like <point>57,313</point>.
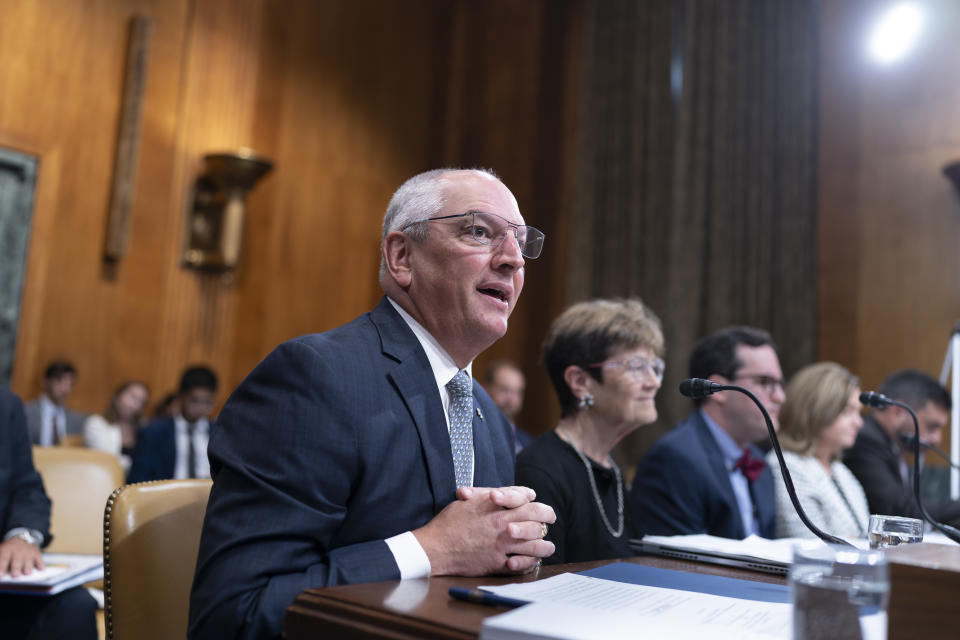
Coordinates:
<point>604,358</point>
<point>820,418</point>
<point>116,430</point>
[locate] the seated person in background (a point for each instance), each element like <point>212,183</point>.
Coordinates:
<point>604,359</point>
<point>505,383</point>
<point>819,420</point>
<point>24,524</point>
<point>176,447</point>
<point>168,406</point>
<point>877,457</point>
<point>706,475</point>
<point>367,453</point>
<point>116,430</point>
<point>48,418</point>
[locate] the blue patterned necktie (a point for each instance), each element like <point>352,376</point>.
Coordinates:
<point>460,389</point>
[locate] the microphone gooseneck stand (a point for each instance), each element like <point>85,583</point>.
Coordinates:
<point>699,388</point>
<point>908,441</point>
<point>880,401</point>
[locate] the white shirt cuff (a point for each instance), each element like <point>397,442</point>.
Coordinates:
<point>410,556</point>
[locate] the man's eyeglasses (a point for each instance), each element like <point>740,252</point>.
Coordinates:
<point>768,383</point>
<point>636,366</point>
<point>489,229</point>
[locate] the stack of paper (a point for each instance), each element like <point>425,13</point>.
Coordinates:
<point>753,552</point>
<point>62,571</point>
<point>577,607</point>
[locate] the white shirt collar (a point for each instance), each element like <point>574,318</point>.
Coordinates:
<point>443,366</point>
<point>180,423</point>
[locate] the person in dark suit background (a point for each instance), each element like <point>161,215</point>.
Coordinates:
<point>505,383</point>
<point>877,456</point>
<point>706,475</point>
<point>176,446</point>
<point>49,420</point>
<point>25,523</point>
<point>367,453</point>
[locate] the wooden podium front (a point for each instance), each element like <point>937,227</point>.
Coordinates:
<point>925,591</point>
<point>415,609</point>
<point>924,600</point>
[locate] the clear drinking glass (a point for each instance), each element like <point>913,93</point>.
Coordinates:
<point>838,592</point>
<point>890,531</point>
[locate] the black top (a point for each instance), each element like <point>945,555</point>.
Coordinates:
<point>553,469</point>
<point>875,460</point>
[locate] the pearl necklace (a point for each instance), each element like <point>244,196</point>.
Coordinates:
<point>593,487</point>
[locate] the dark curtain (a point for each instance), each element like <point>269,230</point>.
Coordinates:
<point>696,180</point>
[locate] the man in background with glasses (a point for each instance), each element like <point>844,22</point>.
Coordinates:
<point>707,475</point>
<point>367,453</point>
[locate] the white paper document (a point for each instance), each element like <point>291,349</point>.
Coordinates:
<point>62,571</point>
<point>571,606</point>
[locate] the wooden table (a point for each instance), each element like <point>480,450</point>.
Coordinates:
<point>415,609</point>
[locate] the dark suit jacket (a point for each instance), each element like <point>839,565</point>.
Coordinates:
<point>23,502</point>
<point>155,456</point>
<point>34,414</point>
<point>683,487</point>
<point>333,443</point>
<point>875,460</point>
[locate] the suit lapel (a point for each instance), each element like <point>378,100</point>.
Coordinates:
<point>719,471</point>
<point>484,461</point>
<point>414,381</point>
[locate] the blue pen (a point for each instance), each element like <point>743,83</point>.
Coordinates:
<point>485,597</point>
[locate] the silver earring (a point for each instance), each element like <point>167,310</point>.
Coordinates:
<point>586,402</point>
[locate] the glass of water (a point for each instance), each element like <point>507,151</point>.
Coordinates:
<point>838,592</point>
<point>890,531</point>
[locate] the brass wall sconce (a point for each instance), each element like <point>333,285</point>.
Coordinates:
<point>215,220</point>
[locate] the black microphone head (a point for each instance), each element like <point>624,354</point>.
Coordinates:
<point>699,388</point>
<point>907,439</point>
<point>875,400</point>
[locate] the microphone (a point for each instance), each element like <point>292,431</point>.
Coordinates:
<point>698,388</point>
<point>875,399</point>
<point>908,440</point>
<point>880,401</point>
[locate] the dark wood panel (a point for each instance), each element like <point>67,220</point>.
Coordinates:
<point>349,99</point>
<point>889,222</point>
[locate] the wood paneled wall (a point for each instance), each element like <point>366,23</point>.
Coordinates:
<point>348,98</point>
<point>889,223</point>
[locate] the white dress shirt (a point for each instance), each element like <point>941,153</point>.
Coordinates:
<point>51,417</point>
<point>201,435</point>
<point>410,556</point>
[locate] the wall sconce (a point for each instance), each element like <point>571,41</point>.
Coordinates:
<point>215,221</point>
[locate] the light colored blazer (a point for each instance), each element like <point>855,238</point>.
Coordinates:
<point>837,504</point>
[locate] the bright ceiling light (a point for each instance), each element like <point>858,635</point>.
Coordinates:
<point>896,32</point>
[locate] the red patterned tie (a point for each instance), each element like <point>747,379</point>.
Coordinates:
<point>750,466</point>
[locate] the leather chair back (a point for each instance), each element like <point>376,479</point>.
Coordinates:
<point>78,482</point>
<point>151,535</point>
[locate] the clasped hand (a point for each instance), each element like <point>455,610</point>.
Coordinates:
<point>488,530</point>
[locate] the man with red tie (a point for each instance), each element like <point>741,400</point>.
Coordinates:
<point>707,475</point>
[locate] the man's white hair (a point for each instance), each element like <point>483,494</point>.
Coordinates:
<point>419,198</point>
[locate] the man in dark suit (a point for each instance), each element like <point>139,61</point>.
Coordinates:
<point>877,456</point>
<point>49,420</point>
<point>176,446</point>
<point>367,453</point>
<point>24,524</point>
<point>706,475</point>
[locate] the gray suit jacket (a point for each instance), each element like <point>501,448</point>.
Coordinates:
<point>34,412</point>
